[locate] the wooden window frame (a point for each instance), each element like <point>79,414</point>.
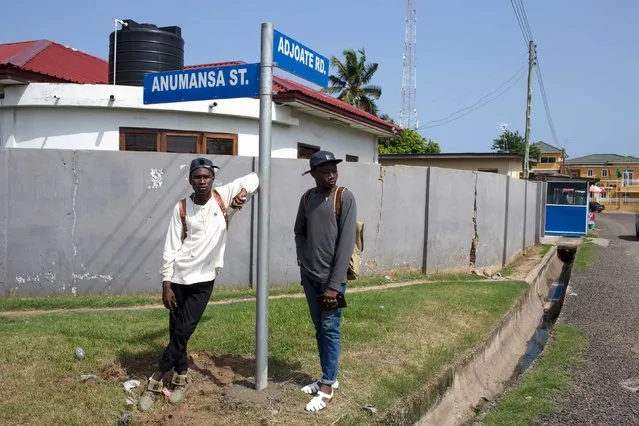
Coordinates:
<point>231,136</point>
<point>315,148</point>
<point>165,135</point>
<point>161,136</point>
<point>125,130</point>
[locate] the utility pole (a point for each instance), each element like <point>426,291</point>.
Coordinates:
<point>531,64</point>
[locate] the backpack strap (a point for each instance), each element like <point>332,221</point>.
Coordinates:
<point>218,199</point>
<point>337,202</point>
<point>183,217</point>
<point>220,203</point>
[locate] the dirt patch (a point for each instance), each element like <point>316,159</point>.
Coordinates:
<point>523,264</point>
<point>182,415</point>
<point>223,370</point>
<point>222,390</point>
<point>244,395</point>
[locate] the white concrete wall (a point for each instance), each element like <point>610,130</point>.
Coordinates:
<point>70,116</point>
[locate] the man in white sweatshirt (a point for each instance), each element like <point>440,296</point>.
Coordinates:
<point>193,254</point>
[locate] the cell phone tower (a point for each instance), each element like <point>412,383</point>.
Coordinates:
<point>408,111</point>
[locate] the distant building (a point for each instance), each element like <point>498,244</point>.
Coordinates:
<point>550,162</point>
<point>615,174</point>
<point>489,162</point>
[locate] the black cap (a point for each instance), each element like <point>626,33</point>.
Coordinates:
<point>321,157</point>
<point>202,163</point>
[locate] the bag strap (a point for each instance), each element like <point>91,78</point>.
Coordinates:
<point>218,199</point>
<point>183,217</point>
<point>337,202</point>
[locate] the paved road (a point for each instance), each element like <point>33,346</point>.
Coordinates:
<point>606,307</point>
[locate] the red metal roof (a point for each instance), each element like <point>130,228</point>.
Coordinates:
<point>70,65</point>
<point>281,84</point>
<point>284,85</point>
<point>54,60</point>
<point>7,51</point>
<point>213,64</point>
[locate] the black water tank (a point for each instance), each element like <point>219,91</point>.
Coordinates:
<point>144,48</point>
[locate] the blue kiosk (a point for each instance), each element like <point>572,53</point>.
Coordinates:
<point>567,208</point>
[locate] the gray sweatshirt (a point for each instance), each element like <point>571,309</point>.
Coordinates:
<point>324,247</point>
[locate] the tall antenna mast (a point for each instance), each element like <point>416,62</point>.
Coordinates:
<point>408,111</point>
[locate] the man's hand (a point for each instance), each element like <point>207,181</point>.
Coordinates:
<point>168,297</point>
<point>329,299</point>
<point>330,294</point>
<point>239,199</point>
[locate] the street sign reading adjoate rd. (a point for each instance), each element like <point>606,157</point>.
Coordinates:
<point>294,57</point>
<point>234,81</point>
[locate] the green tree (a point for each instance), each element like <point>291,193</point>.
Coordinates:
<point>387,118</point>
<point>351,81</point>
<point>408,142</point>
<point>514,143</point>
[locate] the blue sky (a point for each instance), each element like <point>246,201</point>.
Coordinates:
<point>466,49</point>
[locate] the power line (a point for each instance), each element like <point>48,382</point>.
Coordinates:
<point>519,21</point>
<point>477,105</point>
<point>524,26</point>
<point>525,19</point>
<point>544,97</point>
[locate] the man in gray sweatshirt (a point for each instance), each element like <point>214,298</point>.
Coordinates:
<point>325,239</point>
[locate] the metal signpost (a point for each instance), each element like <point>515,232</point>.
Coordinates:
<point>263,207</point>
<point>243,81</point>
<point>282,51</point>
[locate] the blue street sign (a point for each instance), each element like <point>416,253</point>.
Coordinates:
<point>298,59</point>
<point>201,84</point>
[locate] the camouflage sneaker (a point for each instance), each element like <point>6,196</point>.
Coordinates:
<point>181,384</point>
<point>152,390</point>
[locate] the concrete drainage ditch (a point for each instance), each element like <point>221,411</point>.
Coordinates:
<point>515,343</point>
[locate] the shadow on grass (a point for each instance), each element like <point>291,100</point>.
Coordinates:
<point>222,369</point>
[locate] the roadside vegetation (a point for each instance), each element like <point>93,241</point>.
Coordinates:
<point>394,340</point>
<point>545,387</point>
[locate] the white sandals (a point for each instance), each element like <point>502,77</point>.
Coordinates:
<point>319,402</point>
<point>313,388</point>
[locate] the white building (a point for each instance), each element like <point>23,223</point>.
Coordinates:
<point>52,96</point>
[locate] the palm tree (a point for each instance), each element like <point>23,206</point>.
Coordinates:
<point>351,81</point>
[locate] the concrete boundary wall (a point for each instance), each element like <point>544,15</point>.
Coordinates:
<point>91,222</point>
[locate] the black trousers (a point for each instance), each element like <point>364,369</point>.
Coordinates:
<point>191,303</point>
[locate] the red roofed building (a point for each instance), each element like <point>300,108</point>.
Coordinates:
<point>46,85</point>
<point>46,61</point>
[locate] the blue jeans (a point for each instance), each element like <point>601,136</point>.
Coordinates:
<point>327,328</point>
